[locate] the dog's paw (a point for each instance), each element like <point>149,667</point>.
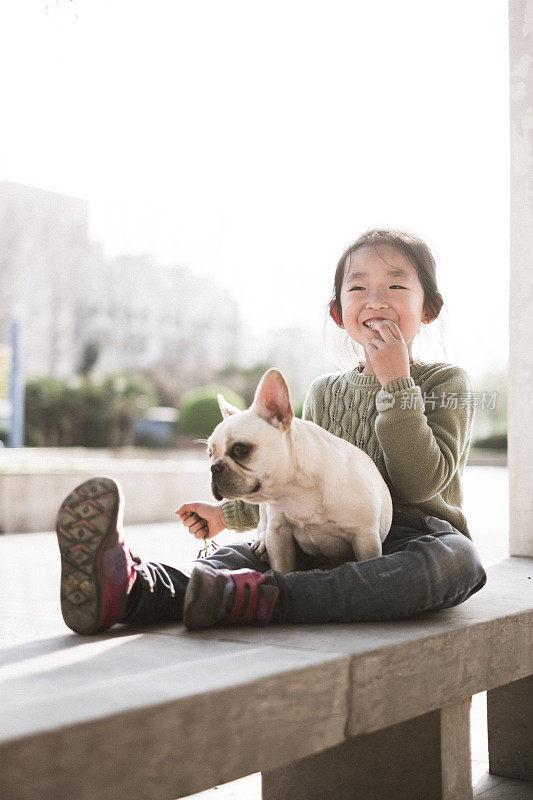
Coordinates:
<point>259,547</point>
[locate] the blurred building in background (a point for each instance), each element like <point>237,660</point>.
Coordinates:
<point>139,314</point>
<point>81,310</point>
<point>43,252</point>
<point>84,312</point>
<point>128,312</point>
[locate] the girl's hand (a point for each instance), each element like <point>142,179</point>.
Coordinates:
<point>388,352</point>
<point>204,520</point>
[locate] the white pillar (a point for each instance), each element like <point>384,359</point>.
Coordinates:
<point>521,281</point>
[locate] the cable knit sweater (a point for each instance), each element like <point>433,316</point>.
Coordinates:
<point>417,430</point>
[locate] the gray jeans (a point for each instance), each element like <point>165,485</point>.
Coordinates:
<point>426,565</point>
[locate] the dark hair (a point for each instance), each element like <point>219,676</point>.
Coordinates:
<point>412,247</point>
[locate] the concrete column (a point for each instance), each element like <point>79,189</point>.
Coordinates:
<point>510,708</point>
<point>426,758</point>
<point>521,285</point>
<point>510,726</point>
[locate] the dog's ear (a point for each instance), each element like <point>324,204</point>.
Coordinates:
<point>272,401</point>
<point>226,408</point>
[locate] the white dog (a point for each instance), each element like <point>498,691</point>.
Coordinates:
<point>311,486</point>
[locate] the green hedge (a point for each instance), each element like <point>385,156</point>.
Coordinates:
<point>497,441</point>
<point>200,413</point>
<point>85,412</point>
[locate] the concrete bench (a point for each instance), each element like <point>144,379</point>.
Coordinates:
<point>368,710</point>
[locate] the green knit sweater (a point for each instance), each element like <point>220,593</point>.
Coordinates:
<point>417,430</point>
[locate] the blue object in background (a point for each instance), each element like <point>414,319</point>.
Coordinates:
<point>16,387</point>
<point>156,428</point>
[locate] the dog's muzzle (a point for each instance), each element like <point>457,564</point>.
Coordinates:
<point>216,471</point>
<point>216,493</point>
<point>220,490</point>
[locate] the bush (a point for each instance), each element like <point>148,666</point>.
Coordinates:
<point>200,413</point>
<point>85,412</point>
<point>497,441</point>
<point>42,404</point>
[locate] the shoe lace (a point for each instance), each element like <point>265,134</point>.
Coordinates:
<point>151,572</point>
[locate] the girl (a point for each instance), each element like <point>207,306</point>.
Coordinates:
<point>414,419</point>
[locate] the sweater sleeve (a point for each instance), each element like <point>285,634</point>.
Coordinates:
<point>423,437</point>
<point>240,516</point>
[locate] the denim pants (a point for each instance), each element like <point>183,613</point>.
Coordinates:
<point>426,565</point>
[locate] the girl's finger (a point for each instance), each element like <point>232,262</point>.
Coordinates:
<point>383,331</point>
<point>198,526</point>
<point>183,509</point>
<point>190,520</point>
<point>386,329</point>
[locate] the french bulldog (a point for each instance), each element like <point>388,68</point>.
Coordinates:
<point>311,486</point>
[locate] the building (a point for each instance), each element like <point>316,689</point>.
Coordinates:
<point>43,252</point>
<point>140,315</point>
<point>132,312</point>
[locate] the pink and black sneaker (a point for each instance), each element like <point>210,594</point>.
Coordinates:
<point>97,569</point>
<point>228,597</point>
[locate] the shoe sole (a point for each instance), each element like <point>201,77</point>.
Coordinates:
<point>89,523</point>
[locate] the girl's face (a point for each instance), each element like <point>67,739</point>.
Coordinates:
<point>380,282</point>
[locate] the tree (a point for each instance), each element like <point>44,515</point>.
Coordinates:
<point>88,358</point>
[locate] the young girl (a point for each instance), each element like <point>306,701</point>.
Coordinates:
<point>414,419</point>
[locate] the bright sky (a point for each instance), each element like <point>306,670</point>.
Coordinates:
<point>253,141</point>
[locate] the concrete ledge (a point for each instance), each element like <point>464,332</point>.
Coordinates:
<point>487,458</point>
<point>34,482</point>
<point>29,501</point>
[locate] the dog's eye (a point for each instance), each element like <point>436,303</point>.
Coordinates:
<point>240,450</point>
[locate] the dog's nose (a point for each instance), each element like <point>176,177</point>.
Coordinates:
<point>216,468</point>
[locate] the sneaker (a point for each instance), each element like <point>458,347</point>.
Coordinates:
<point>97,569</point>
<point>225,597</point>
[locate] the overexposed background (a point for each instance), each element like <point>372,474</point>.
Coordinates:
<point>252,141</point>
